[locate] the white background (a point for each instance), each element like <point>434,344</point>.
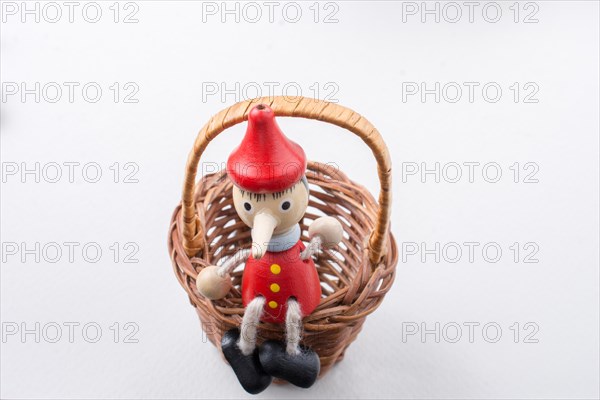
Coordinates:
<point>172,55</point>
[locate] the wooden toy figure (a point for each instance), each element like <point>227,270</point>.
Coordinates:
<point>280,283</point>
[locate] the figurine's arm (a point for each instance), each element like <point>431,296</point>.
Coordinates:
<point>324,232</point>
<point>314,246</point>
<point>214,282</point>
<point>240,257</point>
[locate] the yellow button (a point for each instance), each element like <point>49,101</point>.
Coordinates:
<point>273,304</point>
<point>275,288</point>
<point>276,269</point>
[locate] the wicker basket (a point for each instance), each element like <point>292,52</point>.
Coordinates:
<point>355,276</point>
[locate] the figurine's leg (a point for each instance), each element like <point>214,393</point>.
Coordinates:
<point>238,348</point>
<point>252,314</point>
<point>293,327</point>
<point>292,362</point>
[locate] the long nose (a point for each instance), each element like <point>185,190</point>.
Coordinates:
<point>264,225</point>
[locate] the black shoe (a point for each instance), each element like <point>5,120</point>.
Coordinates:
<point>300,370</point>
<point>248,370</point>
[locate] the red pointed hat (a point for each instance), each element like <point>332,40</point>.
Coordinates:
<point>266,161</point>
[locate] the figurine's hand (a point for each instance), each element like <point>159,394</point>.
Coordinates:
<point>328,229</point>
<point>325,232</point>
<point>212,285</point>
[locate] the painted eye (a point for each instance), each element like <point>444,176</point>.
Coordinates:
<point>285,205</point>
<point>247,207</point>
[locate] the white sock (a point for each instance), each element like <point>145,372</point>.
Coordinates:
<point>293,327</point>
<point>252,314</point>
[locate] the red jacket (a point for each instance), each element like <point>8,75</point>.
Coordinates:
<point>277,276</point>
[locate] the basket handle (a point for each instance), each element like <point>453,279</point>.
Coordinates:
<point>302,107</point>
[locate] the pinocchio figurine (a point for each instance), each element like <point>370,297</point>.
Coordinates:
<point>280,283</point>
